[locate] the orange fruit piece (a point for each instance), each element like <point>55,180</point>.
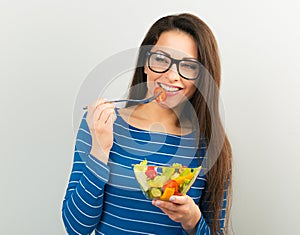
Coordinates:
<point>167,193</point>
<point>162,96</point>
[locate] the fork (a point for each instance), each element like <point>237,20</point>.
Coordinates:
<point>143,101</point>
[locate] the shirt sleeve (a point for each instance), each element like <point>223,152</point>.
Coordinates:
<point>82,204</point>
<point>206,220</point>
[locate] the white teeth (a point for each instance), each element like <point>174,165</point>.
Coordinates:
<point>168,88</point>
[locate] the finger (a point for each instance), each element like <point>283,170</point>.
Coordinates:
<point>94,116</point>
<point>92,107</point>
<point>106,116</point>
<point>173,215</point>
<point>173,211</point>
<point>100,123</point>
<point>101,108</point>
<point>102,101</point>
<point>165,206</point>
<point>111,119</point>
<point>181,200</point>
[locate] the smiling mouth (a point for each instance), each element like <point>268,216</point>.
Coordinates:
<point>169,88</point>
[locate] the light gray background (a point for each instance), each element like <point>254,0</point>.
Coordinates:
<point>48,48</point>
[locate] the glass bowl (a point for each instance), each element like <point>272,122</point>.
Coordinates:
<point>161,182</point>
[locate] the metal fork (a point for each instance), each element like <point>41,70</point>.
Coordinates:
<point>143,101</point>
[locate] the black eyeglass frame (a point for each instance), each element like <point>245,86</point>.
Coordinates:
<point>173,61</point>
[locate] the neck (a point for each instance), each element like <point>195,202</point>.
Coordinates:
<point>153,112</point>
<point>153,117</point>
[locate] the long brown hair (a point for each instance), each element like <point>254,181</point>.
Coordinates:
<point>205,104</point>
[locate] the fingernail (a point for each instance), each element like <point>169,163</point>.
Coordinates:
<point>172,199</point>
<point>158,203</point>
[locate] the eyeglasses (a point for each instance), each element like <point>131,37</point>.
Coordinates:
<point>161,63</point>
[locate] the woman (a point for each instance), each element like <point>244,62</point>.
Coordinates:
<point>177,54</point>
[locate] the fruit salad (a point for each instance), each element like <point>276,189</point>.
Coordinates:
<point>161,182</point>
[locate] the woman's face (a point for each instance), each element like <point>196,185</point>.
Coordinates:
<point>178,45</point>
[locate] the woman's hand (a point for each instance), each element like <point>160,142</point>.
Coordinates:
<point>181,209</point>
<point>100,119</point>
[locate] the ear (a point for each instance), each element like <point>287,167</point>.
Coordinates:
<point>145,69</point>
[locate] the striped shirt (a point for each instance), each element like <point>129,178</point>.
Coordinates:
<point>107,199</point>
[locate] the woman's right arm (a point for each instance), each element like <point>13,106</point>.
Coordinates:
<point>82,205</point>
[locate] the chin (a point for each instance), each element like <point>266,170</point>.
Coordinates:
<point>172,105</point>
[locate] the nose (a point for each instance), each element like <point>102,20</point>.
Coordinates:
<point>172,73</point>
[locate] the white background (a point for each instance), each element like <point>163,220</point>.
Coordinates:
<point>48,48</point>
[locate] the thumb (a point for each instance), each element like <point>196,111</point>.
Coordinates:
<point>179,199</point>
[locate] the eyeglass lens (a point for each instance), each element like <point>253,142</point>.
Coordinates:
<point>186,68</point>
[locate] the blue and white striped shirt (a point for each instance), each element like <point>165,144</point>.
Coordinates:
<point>107,198</point>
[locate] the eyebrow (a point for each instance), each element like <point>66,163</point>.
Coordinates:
<point>184,58</point>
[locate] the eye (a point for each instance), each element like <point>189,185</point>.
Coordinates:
<point>188,65</point>
<point>161,58</point>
